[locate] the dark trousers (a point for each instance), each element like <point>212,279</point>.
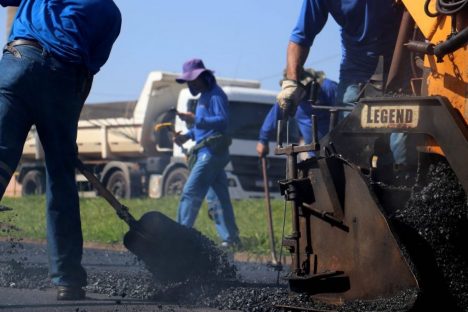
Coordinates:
<point>38,89</point>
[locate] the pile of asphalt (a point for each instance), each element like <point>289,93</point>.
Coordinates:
<point>143,286</point>
<point>15,274</point>
<point>433,227</point>
<point>175,253</point>
<point>128,278</point>
<point>196,258</point>
<point>271,298</point>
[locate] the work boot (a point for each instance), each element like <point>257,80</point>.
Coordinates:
<point>70,293</point>
<point>231,244</point>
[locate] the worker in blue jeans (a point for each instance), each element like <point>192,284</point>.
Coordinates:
<point>369,29</point>
<point>207,176</point>
<point>47,68</point>
<point>326,94</point>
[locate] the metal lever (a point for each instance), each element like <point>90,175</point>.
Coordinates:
<point>281,125</point>
<point>313,119</point>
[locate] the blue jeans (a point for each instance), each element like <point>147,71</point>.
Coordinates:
<point>207,178</point>
<point>37,89</point>
<point>347,94</point>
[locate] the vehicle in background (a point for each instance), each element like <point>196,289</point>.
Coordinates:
<point>134,157</point>
<point>248,107</point>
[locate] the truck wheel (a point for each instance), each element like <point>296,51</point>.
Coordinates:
<point>118,185</point>
<point>175,181</point>
<point>33,183</point>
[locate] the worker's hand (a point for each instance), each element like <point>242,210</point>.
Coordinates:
<point>262,149</point>
<point>187,117</point>
<point>292,92</point>
<point>180,139</point>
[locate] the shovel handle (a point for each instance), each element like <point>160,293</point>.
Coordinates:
<point>122,210</point>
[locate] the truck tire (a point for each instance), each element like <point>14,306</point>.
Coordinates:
<point>175,181</point>
<point>118,184</point>
<point>33,183</point>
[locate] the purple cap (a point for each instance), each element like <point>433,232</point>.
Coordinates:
<point>191,70</point>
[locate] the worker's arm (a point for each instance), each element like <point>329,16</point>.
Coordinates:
<point>188,117</point>
<point>312,18</point>
<point>292,91</point>
<point>218,117</point>
<point>296,58</point>
<point>268,126</point>
<point>5,3</point>
<point>180,139</point>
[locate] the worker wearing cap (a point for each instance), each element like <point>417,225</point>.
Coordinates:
<point>53,51</point>
<point>211,153</point>
<point>369,29</point>
<point>325,96</point>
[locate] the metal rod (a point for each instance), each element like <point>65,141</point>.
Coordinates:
<point>313,119</point>
<point>274,259</point>
<point>336,108</point>
<point>282,238</point>
<point>333,119</point>
<point>292,174</point>
<point>454,43</point>
<point>327,217</point>
<point>279,133</point>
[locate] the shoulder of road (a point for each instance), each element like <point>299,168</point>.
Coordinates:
<point>239,256</point>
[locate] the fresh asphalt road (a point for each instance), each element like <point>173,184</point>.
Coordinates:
<point>34,300</point>
<point>24,285</point>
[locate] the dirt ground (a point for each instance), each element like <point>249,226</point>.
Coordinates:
<point>13,189</point>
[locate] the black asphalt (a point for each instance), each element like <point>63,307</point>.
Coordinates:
<point>117,282</point>
<point>13,299</point>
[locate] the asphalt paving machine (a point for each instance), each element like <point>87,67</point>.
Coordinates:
<point>362,229</point>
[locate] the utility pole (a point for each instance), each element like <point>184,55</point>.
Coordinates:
<point>11,12</point>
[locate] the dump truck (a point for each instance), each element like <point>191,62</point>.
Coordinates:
<point>123,145</point>
<point>364,231</point>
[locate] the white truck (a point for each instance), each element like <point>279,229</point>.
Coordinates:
<point>119,141</point>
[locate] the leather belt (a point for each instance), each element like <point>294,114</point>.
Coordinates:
<point>37,45</point>
<point>19,42</point>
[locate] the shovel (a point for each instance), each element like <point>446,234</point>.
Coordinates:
<point>172,252</point>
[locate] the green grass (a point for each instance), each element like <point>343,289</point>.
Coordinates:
<point>101,224</point>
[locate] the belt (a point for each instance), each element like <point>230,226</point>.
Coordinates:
<point>19,42</point>
<point>37,45</point>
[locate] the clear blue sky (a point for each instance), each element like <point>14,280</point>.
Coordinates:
<point>244,39</point>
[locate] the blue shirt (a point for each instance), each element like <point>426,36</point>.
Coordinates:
<point>80,32</point>
<point>211,115</point>
<point>369,28</point>
<point>327,97</point>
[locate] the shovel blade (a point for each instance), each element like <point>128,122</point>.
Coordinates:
<point>172,252</point>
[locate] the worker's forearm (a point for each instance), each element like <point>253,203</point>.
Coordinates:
<point>297,55</point>
<point>217,123</point>
<point>6,3</point>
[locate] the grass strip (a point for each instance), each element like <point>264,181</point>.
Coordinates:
<point>100,224</point>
